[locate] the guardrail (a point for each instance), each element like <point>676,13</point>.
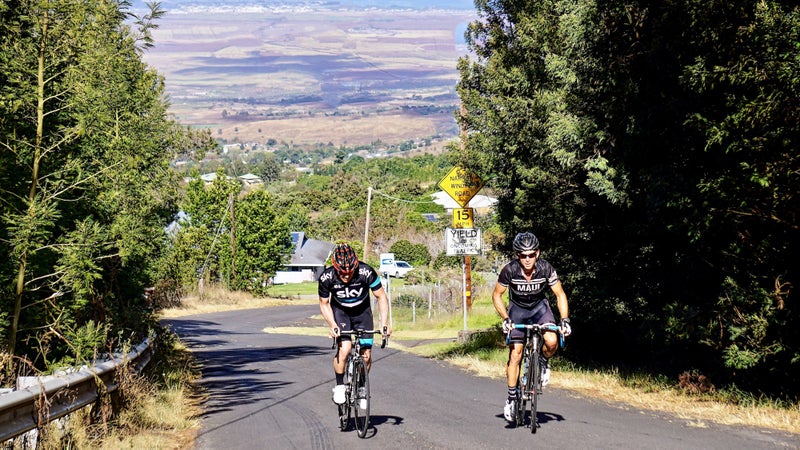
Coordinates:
<point>26,409</point>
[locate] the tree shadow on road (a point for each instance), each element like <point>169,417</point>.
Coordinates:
<point>233,377</point>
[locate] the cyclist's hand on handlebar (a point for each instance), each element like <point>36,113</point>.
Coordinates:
<point>566,329</point>
<point>333,332</point>
<point>507,325</point>
<point>387,331</point>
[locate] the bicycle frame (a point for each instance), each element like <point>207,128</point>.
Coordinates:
<point>356,379</point>
<point>529,381</point>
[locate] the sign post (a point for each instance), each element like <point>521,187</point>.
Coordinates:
<point>462,184</point>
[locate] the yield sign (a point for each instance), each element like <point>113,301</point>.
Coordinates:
<point>461,184</point>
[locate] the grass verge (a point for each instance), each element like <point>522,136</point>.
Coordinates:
<point>158,409</point>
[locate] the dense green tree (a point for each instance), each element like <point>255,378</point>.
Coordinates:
<point>414,254</point>
<point>270,168</point>
<point>85,144</point>
<point>651,147</point>
<point>260,246</point>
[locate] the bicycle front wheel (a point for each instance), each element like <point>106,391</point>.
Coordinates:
<point>361,395</point>
<point>523,385</point>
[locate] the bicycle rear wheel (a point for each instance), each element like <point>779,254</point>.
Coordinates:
<point>535,380</point>
<point>361,396</point>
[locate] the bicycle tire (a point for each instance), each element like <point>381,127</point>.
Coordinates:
<point>361,392</point>
<point>344,416</point>
<point>536,384</point>
<point>522,388</point>
<point>344,408</point>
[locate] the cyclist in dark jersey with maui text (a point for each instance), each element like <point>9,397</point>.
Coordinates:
<point>344,301</point>
<point>525,279</point>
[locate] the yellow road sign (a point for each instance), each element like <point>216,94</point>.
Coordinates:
<point>461,184</point>
<point>463,218</point>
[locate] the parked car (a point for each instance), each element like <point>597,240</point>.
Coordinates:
<point>393,267</point>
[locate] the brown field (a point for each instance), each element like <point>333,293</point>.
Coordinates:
<point>346,77</point>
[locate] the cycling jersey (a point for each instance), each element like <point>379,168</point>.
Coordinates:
<point>522,292</point>
<point>351,294</point>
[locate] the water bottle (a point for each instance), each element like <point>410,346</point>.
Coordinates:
<point>349,371</point>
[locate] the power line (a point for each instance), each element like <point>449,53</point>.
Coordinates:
<point>400,199</point>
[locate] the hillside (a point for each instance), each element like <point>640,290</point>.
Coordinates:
<point>341,76</point>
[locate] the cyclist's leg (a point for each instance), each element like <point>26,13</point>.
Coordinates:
<point>362,319</point>
<point>544,314</point>
<point>514,358</point>
<point>517,315</point>
<point>344,321</point>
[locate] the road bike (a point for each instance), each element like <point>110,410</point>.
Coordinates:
<point>356,380</point>
<point>529,382</point>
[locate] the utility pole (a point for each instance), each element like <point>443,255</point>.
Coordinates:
<point>233,242</point>
<point>366,225</point>
<point>467,258</point>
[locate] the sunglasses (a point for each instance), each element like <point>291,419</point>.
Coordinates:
<point>346,273</point>
<point>526,255</point>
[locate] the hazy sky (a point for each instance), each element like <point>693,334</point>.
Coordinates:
<point>383,4</point>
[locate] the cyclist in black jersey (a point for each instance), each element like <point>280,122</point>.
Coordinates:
<point>526,279</point>
<point>344,301</point>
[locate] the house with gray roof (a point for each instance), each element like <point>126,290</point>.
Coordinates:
<point>307,260</point>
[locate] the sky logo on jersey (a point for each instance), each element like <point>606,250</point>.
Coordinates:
<point>349,295</point>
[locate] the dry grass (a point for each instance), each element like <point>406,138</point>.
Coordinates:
<point>151,415</point>
<point>695,409</point>
<point>216,299</point>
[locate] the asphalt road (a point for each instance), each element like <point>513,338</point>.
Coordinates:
<point>273,391</point>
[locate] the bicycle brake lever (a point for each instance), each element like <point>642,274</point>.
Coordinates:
<point>335,337</point>
<point>384,339</point>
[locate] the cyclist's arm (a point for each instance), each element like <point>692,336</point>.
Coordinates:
<point>497,299</point>
<point>561,299</point>
<point>327,314</point>
<point>383,309</point>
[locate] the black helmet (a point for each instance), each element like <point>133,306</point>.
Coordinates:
<point>344,258</point>
<point>525,242</point>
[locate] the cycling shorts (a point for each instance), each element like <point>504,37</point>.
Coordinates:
<point>539,314</point>
<point>354,318</point>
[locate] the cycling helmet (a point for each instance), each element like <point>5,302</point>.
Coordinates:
<point>344,258</point>
<point>525,242</point>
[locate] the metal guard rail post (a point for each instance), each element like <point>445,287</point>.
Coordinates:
<point>19,410</point>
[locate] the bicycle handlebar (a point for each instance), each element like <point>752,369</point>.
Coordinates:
<point>359,333</point>
<point>538,328</point>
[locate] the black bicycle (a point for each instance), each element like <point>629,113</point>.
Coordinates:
<point>356,380</point>
<point>529,382</point>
